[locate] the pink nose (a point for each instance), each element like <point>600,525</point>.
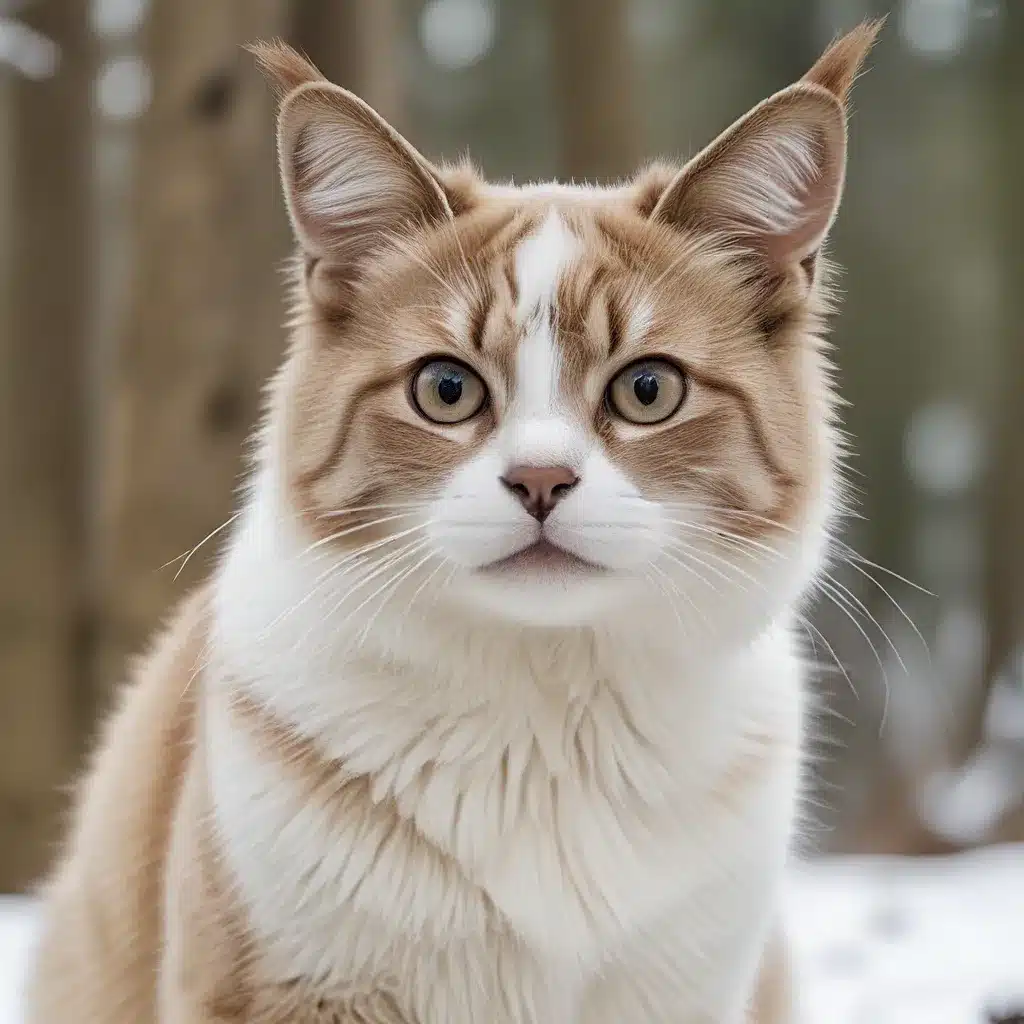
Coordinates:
<point>540,488</point>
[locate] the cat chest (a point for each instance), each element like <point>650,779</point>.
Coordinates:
<point>565,864</point>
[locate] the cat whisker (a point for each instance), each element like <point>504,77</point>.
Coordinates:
<point>337,535</point>
<point>396,583</point>
<point>187,556</point>
<point>854,555</point>
<point>373,572</point>
<point>844,602</point>
<point>892,600</point>
<point>831,595</point>
<point>391,564</point>
<point>668,596</point>
<point>693,572</point>
<point>727,536</point>
<point>689,552</point>
<point>717,510</point>
<point>419,590</point>
<point>848,596</point>
<point>808,625</point>
<point>338,567</point>
<point>386,506</point>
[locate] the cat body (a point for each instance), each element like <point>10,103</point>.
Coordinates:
<point>492,710</point>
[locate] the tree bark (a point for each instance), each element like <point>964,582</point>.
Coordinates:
<point>203,328</point>
<point>43,619</point>
<point>1003,592</point>
<point>595,86</point>
<point>1004,537</point>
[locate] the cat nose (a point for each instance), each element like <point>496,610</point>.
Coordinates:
<point>540,488</point>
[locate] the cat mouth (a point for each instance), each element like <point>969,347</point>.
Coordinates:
<point>542,556</point>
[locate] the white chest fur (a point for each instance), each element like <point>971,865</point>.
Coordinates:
<point>530,808</point>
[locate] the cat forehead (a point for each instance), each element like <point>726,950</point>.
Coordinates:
<point>540,261</point>
<point>558,306</point>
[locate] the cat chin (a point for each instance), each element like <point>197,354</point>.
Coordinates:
<point>558,598</point>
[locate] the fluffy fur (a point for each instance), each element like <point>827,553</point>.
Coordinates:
<point>437,745</point>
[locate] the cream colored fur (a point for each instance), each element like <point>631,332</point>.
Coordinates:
<point>377,777</point>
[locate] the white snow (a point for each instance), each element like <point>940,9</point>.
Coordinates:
<point>877,940</point>
<point>16,931</point>
<point>924,941</point>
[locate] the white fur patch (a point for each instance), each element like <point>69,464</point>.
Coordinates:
<point>540,263</point>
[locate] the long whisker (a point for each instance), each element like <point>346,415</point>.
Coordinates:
<point>187,556</point>
<point>854,555</point>
<point>693,572</point>
<point>390,564</point>
<point>718,510</point>
<point>330,538</point>
<point>419,590</point>
<point>910,622</point>
<point>830,587</point>
<point>689,551</point>
<point>850,596</point>
<point>356,553</point>
<point>362,580</point>
<point>735,541</point>
<point>669,582</point>
<point>864,633</point>
<point>806,622</point>
<point>395,584</point>
<point>338,567</point>
<point>745,542</point>
<point>335,513</point>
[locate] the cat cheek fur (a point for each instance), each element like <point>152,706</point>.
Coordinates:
<point>360,779</point>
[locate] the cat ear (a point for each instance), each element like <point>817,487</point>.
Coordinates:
<point>773,180</point>
<point>350,180</point>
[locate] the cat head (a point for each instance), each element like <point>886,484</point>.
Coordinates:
<point>561,404</point>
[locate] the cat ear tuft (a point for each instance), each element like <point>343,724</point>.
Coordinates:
<point>282,66</point>
<point>838,67</point>
<point>350,180</point>
<point>773,181</point>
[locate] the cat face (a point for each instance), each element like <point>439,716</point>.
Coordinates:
<point>561,405</point>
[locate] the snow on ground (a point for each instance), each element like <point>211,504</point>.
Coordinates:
<point>16,929</point>
<point>877,940</point>
<point>881,940</point>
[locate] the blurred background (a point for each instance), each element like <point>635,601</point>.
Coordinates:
<point>141,240</point>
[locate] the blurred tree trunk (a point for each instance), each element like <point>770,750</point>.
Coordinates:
<point>203,327</point>
<point>893,822</point>
<point>356,43</point>
<point>43,617</point>
<point>595,87</point>
<point>1004,532</point>
<point>1004,522</point>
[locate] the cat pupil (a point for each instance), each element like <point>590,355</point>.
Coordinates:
<point>449,388</point>
<point>645,387</point>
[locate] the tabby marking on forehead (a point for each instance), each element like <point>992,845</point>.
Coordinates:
<point>540,263</point>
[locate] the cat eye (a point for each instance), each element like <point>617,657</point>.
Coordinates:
<point>444,391</point>
<point>647,392</point>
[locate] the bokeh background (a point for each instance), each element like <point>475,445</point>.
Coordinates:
<point>141,240</point>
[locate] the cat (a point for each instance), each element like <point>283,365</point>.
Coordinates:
<point>492,708</point>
